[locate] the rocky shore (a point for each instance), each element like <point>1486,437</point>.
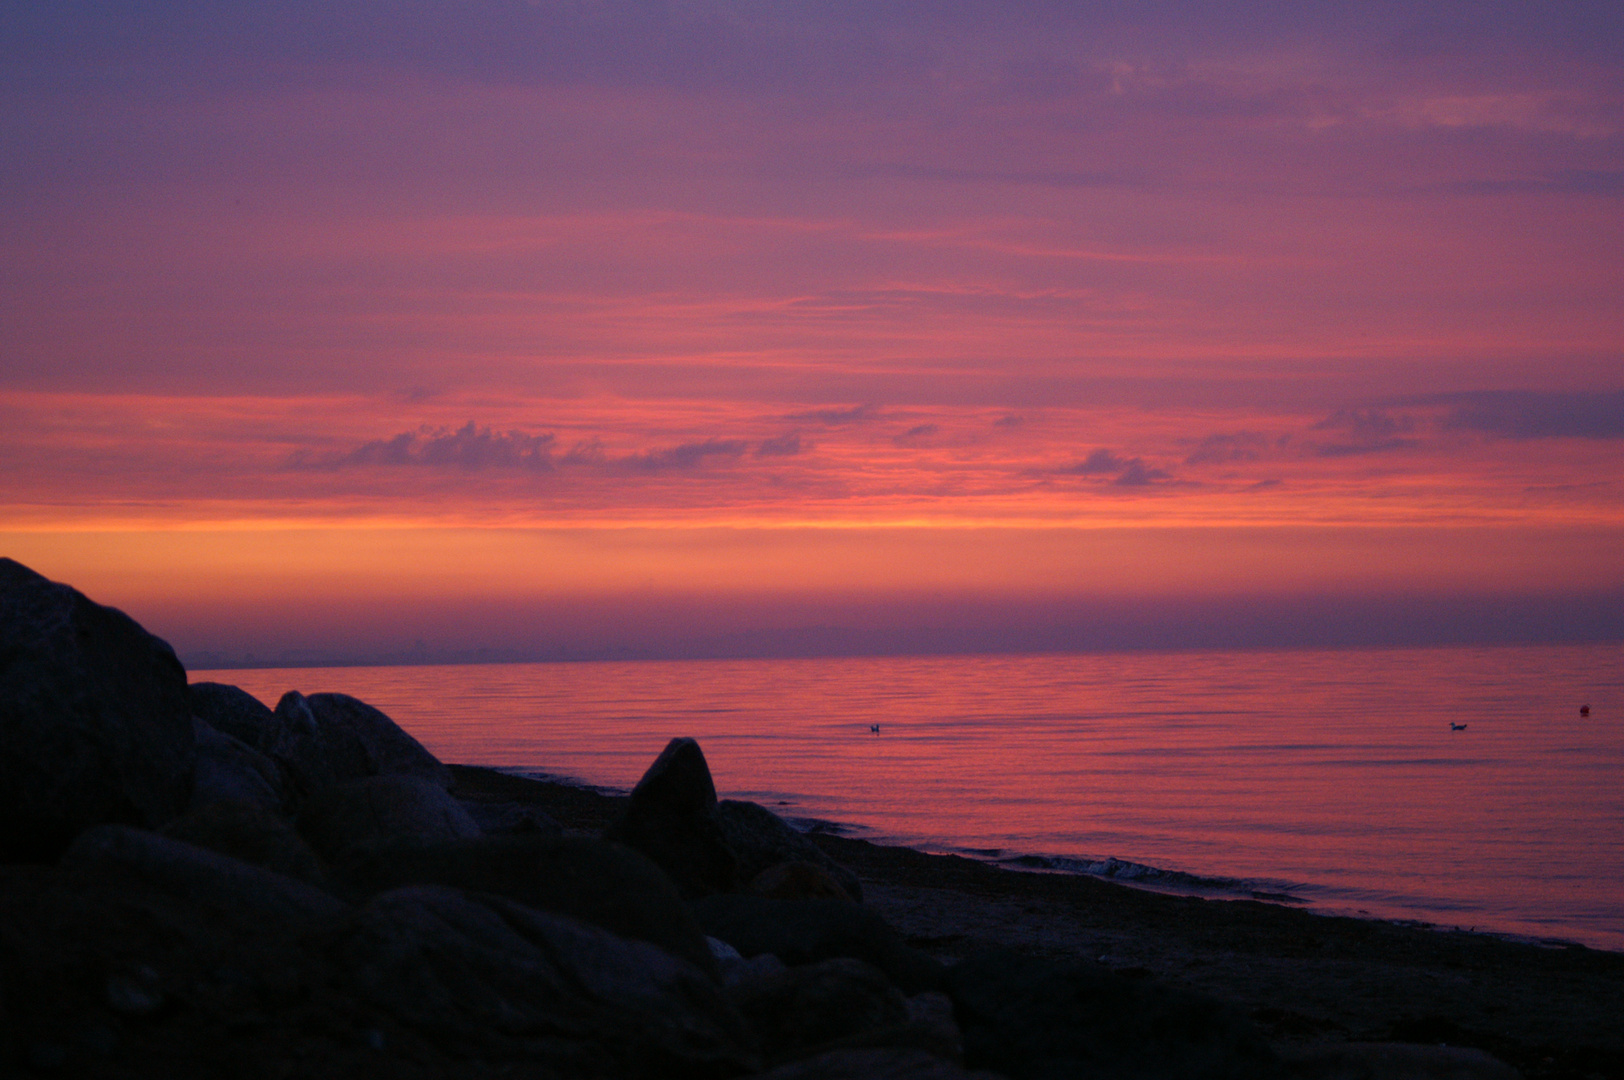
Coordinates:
<point>192,883</point>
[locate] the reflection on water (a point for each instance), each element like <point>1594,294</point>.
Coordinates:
<point>1332,774</point>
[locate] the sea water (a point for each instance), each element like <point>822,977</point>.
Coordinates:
<point>1334,779</point>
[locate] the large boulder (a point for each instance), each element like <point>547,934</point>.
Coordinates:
<point>385,748</point>
<point>490,978</point>
<point>234,711</point>
<point>229,770</point>
<point>802,1010</point>
<point>807,931</point>
<point>266,902</point>
<point>95,721</point>
<point>380,810</point>
<point>672,818</point>
<point>760,840</point>
<point>797,881</point>
<point>295,740</point>
<point>1031,1018</point>
<point>104,973</point>
<point>592,880</point>
<point>320,740</point>
<point>511,818</point>
<point>249,832</point>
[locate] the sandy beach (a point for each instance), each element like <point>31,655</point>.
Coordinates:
<point>1306,979</point>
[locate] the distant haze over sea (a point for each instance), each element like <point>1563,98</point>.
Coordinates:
<point>677,632</point>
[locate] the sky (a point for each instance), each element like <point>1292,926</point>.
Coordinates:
<point>503,329</point>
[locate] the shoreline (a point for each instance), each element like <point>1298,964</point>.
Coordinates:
<point>1127,873</point>
<point>1305,978</point>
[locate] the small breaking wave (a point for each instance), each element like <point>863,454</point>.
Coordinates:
<point>1143,875</point>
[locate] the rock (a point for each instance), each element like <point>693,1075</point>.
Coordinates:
<point>229,770</point>
<point>806,931</point>
<point>249,832</point>
<point>672,818</point>
<point>760,839</point>
<point>295,740</point>
<point>723,953</point>
<point>799,1010</point>
<point>234,711</point>
<point>591,880</point>
<point>116,977</point>
<point>504,818</point>
<point>797,881</point>
<point>380,810</point>
<point>491,978</point>
<point>1395,1061</point>
<point>95,721</point>
<point>320,740</point>
<point>135,993</point>
<point>935,1028</point>
<point>1031,1018</point>
<point>369,743</point>
<point>884,1064</point>
<point>265,902</point>
<point>736,969</point>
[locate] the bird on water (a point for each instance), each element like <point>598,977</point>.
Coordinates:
<point>1456,727</point>
<point>1584,710</point>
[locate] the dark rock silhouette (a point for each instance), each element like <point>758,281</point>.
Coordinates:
<point>806,931</point>
<point>377,810</point>
<point>95,720</point>
<point>595,881</point>
<point>257,898</point>
<point>511,818</point>
<point>672,817</point>
<point>801,1010</point>
<point>295,740</point>
<point>233,711</point>
<point>1031,1018</point>
<point>229,770</point>
<point>760,839</point>
<point>886,1064</point>
<point>798,881</point>
<point>249,832</point>
<point>371,744</point>
<point>493,978</point>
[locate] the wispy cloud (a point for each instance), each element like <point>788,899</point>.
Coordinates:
<point>838,417</point>
<point>1099,461</point>
<point>916,435</point>
<point>1130,472</point>
<point>685,456</point>
<point>1366,431</point>
<point>787,445</point>
<point>1219,449</point>
<point>1526,414</point>
<point>469,447</point>
<point>1137,474</point>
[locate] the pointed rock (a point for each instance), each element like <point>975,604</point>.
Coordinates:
<point>672,818</point>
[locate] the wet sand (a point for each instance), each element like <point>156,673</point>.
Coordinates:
<point>1304,978</point>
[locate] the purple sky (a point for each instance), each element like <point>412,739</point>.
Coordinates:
<point>569,329</point>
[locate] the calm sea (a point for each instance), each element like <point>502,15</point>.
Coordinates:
<point>1333,777</point>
